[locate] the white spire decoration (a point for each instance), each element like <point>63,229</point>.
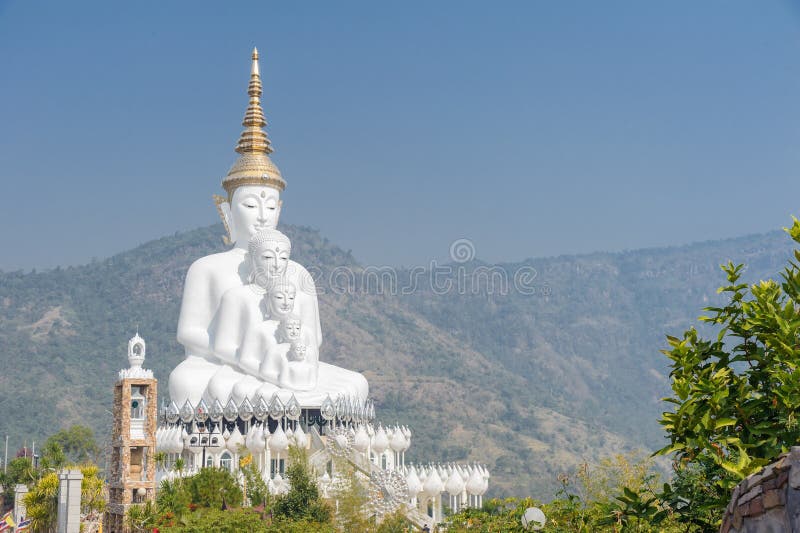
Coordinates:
<point>136,352</point>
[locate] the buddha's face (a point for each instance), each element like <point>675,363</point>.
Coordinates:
<point>253,208</point>
<point>291,329</point>
<point>272,259</point>
<point>299,351</point>
<point>280,301</point>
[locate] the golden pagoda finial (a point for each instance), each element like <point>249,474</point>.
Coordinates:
<point>254,139</point>
<point>254,68</point>
<point>254,167</point>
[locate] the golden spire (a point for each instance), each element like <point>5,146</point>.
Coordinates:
<point>254,167</point>
<point>254,139</point>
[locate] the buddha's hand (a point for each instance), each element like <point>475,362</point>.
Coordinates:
<point>275,360</point>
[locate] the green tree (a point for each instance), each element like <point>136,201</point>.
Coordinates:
<point>257,492</point>
<point>303,500</point>
<point>173,497</point>
<point>737,395</point>
<point>214,488</point>
<point>20,471</point>
<point>351,497</point>
<point>53,456</point>
<point>78,444</point>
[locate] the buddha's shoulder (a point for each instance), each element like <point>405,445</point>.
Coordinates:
<point>217,263</point>
<point>247,292</point>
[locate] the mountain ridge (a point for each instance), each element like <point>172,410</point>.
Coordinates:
<point>311,229</point>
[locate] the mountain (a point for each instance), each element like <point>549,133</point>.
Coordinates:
<point>530,367</point>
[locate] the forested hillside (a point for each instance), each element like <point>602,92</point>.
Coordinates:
<point>530,379</point>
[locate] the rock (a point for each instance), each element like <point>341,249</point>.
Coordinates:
<point>767,501</point>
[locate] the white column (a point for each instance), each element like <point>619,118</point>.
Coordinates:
<point>19,505</point>
<point>69,501</point>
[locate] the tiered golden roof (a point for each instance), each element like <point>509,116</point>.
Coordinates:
<point>254,167</point>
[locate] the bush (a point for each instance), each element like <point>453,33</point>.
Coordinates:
<point>214,488</point>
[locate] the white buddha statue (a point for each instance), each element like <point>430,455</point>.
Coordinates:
<point>253,203</point>
<point>248,316</point>
<point>299,371</point>
<point>245,330</point>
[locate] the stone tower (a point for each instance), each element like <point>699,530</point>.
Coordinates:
<point>132,474</point>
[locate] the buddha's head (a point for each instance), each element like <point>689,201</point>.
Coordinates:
<point>280,299</point>
<point>269,252</point>
<point>289,329</point>
<point>254,182</point>
<point>251,208</point>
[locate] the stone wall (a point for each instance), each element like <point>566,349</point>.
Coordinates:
<point>769,501</point>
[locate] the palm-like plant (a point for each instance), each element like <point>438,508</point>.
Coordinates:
<point>93,501</point>
<point>141,518</point>
<point>42,504</point>
<point>173,497</point>
<point>160,458</point>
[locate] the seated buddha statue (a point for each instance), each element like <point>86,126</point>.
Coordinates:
<point>253,186</point>
<point>258,332</point>
<point>298,371</point>
<point>246,327</point>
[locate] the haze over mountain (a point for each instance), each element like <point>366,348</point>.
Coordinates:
<point>529,366</point>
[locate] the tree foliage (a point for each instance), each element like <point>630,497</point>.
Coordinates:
<point>257,492</point>
<point>495,515</point>
<point>53,456</point>
<point>173,497</point>
<point>736,395</point>
<point>303,500</point>
<point>351,497</point>
<point>19,471</point>
<point>237,521</point>
<point>41,504</point>
<point>215,488</point>
<point>77,443</point>
<point>141,518</point>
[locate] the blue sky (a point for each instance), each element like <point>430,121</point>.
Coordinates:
<point>531,128</point>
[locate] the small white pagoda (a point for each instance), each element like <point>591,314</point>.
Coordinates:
<point>252,382</point>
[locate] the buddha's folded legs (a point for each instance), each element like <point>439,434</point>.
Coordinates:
<point>220,386</point>
<point>225,382</point>
<point>189,379</point>
<point>335,380</point>
<point>249,387</point>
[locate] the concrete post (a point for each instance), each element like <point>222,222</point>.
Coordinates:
<point>19,506</point>
<point>69,501</point>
